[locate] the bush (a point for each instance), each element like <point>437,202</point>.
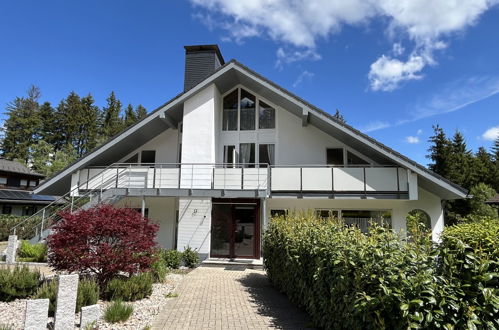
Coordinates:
<point>159,270</point>
<point>347,279</point>
<point>103,241</point>
<point>172,258</point>
<point>88,294</point>
<point>48,290</point>
<point>25,231</point>
<point>32,252</point>
<point>129,289</point>
<point>190,257</point>
<point>18,283</point>
<point>118,312</point>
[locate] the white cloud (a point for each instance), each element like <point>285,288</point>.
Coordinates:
<point>491,134</point>
<point>304,75</point>
<point>375,125</point>
<point>419,132</point>
<point>296,55</point>
<point>412,139</point>
<point>301,23</point>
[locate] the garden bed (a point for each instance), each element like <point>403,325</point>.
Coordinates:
<point>144,312</point>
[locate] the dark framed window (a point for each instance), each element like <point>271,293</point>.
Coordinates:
<point>29,210</point>
<point>334,156</point>
<point>230,104</point>
<point>229,154</point>
<point>355,160</point>
<point>148,157</point>
<point>266,116</point>
<point>247,103</point>
<point>146,211</point>
<point>247,154</point>
<point>13,182</point>
<point>266,154</point>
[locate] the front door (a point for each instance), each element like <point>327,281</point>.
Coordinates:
<point>235,228</point>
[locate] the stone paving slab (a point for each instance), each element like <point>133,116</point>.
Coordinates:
<point>229,298</point>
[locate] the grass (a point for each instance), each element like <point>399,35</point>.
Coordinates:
<point>118,312</point>
<point>171,295</point>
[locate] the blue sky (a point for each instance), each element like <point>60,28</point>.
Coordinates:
<point>393,68</point>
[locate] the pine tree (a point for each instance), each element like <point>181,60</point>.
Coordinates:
<point>49,131</point>
<point>440,152</point>
<point>495,150</point>
<point>483,168</point>
<point>21,126</point>
<point>112,122</point>
<point>130,116</point>
<point>459,171</point>
<point>140,112</point>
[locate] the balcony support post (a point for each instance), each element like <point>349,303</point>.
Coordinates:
<point>143,206</point>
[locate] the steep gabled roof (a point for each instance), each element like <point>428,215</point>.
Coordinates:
<point>11,166</point>
<point>227,76</point>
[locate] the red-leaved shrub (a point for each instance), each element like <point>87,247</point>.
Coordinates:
<point>103,241</point>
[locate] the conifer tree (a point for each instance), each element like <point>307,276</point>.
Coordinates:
<point>112,122</point>
<point>140,112</point>
<point>21,126</point>
<point>49,131</point>
<point>459,171</point>
<point>440,152</point>
<point>130,116</point>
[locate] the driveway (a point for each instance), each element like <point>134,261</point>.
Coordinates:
<point>229,298</point>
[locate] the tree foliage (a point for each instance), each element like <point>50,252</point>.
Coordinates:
<point>48,138</point>
<point>104,241</point>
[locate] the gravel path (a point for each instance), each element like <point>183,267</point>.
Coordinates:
<point>144,312</point>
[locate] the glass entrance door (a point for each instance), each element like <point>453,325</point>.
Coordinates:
<point>235,229</point>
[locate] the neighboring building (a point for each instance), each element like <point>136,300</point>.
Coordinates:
<point>213,164</point>
<point>16,185</point>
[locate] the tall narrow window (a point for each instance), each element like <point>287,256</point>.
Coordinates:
<point>266,154</point>
<point>230,112</point>
<point>266,116</point>
<point>247,111</point>
<point>229,155</point>
<point>247,154</point>
<point>334,156</point>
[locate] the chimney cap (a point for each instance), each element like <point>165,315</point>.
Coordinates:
<point>205,48</point>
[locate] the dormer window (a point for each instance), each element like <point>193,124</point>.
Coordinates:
<point>240,112</point>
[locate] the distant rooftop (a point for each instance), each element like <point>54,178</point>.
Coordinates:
<point>493,200</point>
<point>15,167</point>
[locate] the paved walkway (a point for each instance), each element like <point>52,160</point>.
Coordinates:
<point>229,298</point>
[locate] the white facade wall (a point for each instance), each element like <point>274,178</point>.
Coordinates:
<point>427,202</point>
<point>162,210</point>
<point>194,225</point>
<point>165,145</point>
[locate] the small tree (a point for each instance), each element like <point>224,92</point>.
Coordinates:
<point>103,241</point>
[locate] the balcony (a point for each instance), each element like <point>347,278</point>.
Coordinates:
<point>229,180</point>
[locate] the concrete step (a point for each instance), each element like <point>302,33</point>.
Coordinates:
<point>236,263</point>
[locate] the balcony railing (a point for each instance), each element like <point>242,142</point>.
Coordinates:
<point>329,180</point>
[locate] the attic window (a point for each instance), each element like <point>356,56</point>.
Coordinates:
<point>248,104</point>
<point>230,111</point>
<point>266,116</point>
<point>148,157</point>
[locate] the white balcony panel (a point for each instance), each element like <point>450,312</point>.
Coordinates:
<point>228,178</point>
<point>285,179</point>
<point>381,179</point>
<point>123,177</point>
<point>317,179</point>
<point>138,177</point>
<point>255,178</point>
<point>348,179</point>
<point>403,179</point>
<point>196,176</point>
<point>167,178</point>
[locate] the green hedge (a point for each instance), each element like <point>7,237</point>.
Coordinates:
<point>349,280</point>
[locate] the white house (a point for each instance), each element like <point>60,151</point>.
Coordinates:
<point>213,164</point>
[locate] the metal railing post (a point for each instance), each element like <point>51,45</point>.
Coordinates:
<point>192,175</point>
<point>72,202</point>
<point>43,220</point>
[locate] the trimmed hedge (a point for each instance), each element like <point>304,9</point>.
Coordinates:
<point>349,280</point>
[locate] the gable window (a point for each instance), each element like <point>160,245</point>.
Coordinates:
<point>24,183</point>
<point>230,104</point>
<point>334,156</point>
<point>229,154</point>
<point>355,160</point>
<point>148,157</point>
<point>248,103</point>
<point>33,183</point>
<point>266,154</point>
<point>247,154</point>
<point>3,180</point>
<point>266,116</point>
